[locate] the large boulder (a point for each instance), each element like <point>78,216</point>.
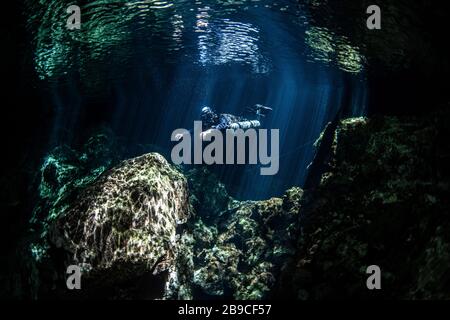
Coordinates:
<point>124,225</point>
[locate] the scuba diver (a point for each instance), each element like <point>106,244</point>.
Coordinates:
<point>212,120</point>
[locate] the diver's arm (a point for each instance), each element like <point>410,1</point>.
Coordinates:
<point>223,124</point>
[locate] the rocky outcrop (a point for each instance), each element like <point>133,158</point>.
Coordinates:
<point>383,201</point>
<point>64,174</point>
<point>208,196</point>
<point>240,253</point>
<point>124,225</point>
<point>381,198</point>
<point>126,229</point>
<point>119,224</point>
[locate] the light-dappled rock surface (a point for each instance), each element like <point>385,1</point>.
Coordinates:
<point>124,224</point>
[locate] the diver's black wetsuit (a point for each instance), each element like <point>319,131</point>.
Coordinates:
<point>225,121</point>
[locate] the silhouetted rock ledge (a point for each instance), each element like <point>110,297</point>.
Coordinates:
<point>382,200</point>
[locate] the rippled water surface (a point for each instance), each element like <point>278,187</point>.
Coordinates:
<point>203,32</point>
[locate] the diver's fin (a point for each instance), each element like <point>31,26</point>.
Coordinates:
<point>259,109</point>
<point>263,108</point>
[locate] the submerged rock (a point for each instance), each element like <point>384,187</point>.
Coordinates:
<point>123,226</point>
<point>383,200</point>
<point>208,196</point>
<point>238,253</point>
<point>64,173</point>
<point>122,230</point>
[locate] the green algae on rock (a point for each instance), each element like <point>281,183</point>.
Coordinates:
<point>124,224</point>
<point>382,200</point>
<point>378,201</point>
<point>239,252</point>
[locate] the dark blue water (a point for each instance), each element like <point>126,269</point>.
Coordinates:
<point>145,68</point>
